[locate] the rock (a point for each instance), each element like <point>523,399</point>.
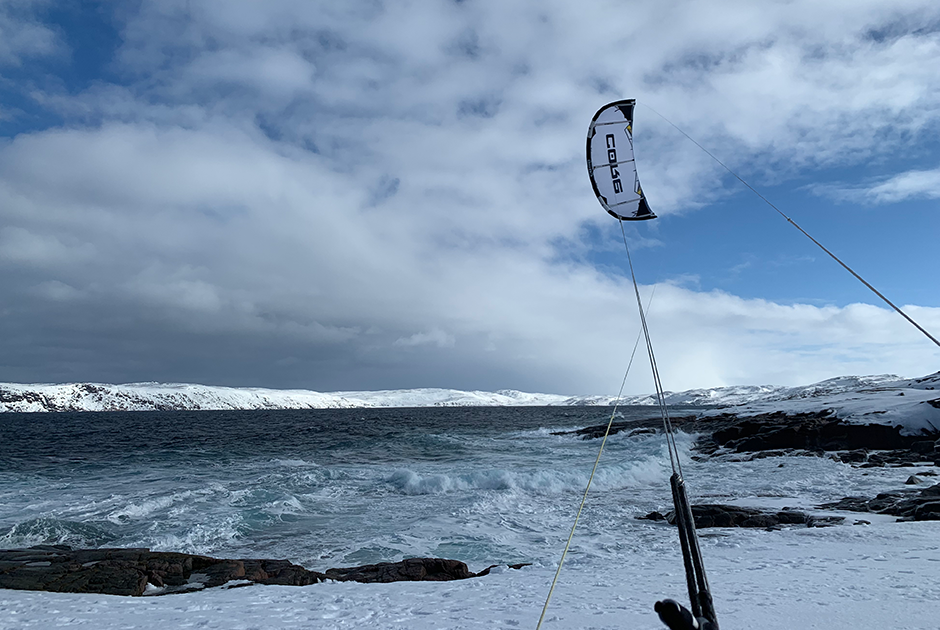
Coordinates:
<point>913,480</point>
<point>908,505</point>
<point>866,446</point>
<point>597,431</point>
<point>812,431</point>
<point>717,515</point>
<point>410,570</point>
<point>776,434</point>
<point>61,569</point>
<point>652,516</point>
<point>927,512</point>
<point>857,456</point>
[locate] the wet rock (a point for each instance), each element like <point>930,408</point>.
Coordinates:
<point>908,505</point>
<point>641,427</point>
<point>857,456</point>
<point>652,516</point>
<point>128,571</point>
<point>778,433</point>
<point>410,570</point>
<point>927,511</point>
<point>814,432</point>
<point>718,515</point>
<point>913,480</point>
<point>61,569</point>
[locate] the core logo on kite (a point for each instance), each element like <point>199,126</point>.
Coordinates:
<point>612,160</point>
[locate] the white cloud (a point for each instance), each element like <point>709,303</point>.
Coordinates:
<point>22,36</point>
<point>273,72</point>
<point>915,184</point>
<point>278,178</point>
<point>434,337</point>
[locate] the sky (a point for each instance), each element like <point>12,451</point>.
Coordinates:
<point>379,195</point>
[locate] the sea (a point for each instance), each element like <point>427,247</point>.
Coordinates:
<point>485,485</point>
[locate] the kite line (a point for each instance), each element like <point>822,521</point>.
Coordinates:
<point>805,233</point>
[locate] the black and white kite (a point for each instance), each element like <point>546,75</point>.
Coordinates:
<point>611,165</point>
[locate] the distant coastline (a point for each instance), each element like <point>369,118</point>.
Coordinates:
<point>881,399</point>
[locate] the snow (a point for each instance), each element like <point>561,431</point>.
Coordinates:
<point>913,404</point>
<point>849,577</point>
<point>152,396</point>
<point>885,399</point>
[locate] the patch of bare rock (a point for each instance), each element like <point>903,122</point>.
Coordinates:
<point>778,433</point>
<point>717,515</point>
<point>906,504</point>
<point>60,568</point>
<point>802,434</point>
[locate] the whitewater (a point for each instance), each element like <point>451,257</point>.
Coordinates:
<point>485,485</point>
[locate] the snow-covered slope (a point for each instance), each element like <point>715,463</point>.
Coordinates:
<point>911,403</point>
<point>152,396</point>
<point>884,399</point>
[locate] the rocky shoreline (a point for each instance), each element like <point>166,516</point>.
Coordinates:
<point>59,568</point>
<point>771,434</point>
<point>817,434</point>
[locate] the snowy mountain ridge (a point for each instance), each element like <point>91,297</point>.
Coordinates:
<point>167,396</point>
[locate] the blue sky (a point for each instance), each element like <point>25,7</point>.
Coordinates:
<point>370,195</point>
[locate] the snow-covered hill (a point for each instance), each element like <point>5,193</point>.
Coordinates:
<point>912,403</point>
<point>884,399</point>
<point>156,396</point>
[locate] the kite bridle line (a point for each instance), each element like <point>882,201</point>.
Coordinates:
<point>794,224</point>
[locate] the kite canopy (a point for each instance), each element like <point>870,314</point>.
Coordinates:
<point>610,162</point>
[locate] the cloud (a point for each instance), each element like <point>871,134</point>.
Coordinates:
<point>56,291</point>
<point>375,195</point>
<point>434,337</point>
<point>41,250</point>
<point>22,36</point>
<point>914,184</point>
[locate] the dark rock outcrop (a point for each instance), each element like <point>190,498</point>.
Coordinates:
<point>819,431</point>
<point>410,570</point>
<point>907,504</point>
<point>59,568</point>
<point>779,433</point>
<point>641,427</point>
<point>717,515</point>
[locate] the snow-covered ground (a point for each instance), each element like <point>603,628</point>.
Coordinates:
<point>912,403</point>
<point>884,576</point>
<point>165,396</point>
<point>884,399</point>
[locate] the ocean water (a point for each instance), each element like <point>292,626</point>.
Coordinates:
<point>328,488</point>
<point>487,486</point>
